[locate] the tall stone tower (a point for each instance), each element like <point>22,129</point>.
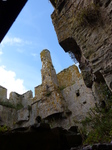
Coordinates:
<point>48,73</point>
<point>52,101</point>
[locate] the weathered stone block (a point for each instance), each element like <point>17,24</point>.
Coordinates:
<point>7,116</point>
<point>23,115</point>
<point>79,100</point>
<point>84,28</point>
<point>68,76</point>
<point>51,104</point>
<point>3,93</point>
<point>26,98</point>
<point>38,92</point>
<point>15,98</point>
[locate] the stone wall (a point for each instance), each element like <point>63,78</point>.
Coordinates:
<point>62,100</point>
<point>51,101</point>
<point>84,28</point>
<point>3,93</point>
<point>8,116</point>
<point>69,76</point>
<point>38,92</point>
<point>79,99</point>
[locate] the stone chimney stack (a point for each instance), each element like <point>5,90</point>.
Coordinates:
<point>52,101</point>
<point>48,72</point>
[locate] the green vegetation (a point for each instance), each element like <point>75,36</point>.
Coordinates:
<point>7,104</point>
<point>52,122</point>
<point>101,124</point>
<point>97,127</point>
<point>61,88</point>
<point>3,128</point>
<point>104,93</point>
<point>10,105</point>
<point>89,15</point>
<point>18,106</point>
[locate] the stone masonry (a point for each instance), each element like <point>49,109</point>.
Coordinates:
<point>84,28</point>
<point>62,100</point>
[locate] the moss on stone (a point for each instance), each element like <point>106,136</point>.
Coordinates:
<point>67,76</point>
<point>10,105</point>
<point>43,53</point>
<point>7,104</point>
<point>62,88</point>
<point>19,106</point>
<point>89,15</point>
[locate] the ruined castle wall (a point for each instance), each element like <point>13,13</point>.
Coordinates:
<point>85,29</point>
<point>50,100</point>
<point>61,100</point>
<point>79,100</point>
<point>48,72</point>
<point>38,92</point>
<point>50,104</point>
<point>78,97</point>
<point>27,98</point>
<point>15,98</point>
<point>68,77</point>
<point>8,116</point>
<point>21,99</point>
<point>3,93</point>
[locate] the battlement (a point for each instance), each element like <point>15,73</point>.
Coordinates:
<point>62,95</point>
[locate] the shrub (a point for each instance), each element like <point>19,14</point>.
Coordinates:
<point>3,128</point>
<point>99,119</point>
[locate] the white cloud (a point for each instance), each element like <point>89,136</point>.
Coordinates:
<point>9,81</point>
<point>34,54</point>
<point>11,41</point>
<point>1,52</point>
<point>20,50</point>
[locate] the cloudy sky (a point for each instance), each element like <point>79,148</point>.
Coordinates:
<point>33,31</point>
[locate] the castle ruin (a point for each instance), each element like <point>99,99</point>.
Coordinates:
<point>62,100</point>
<point>84,29</point>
